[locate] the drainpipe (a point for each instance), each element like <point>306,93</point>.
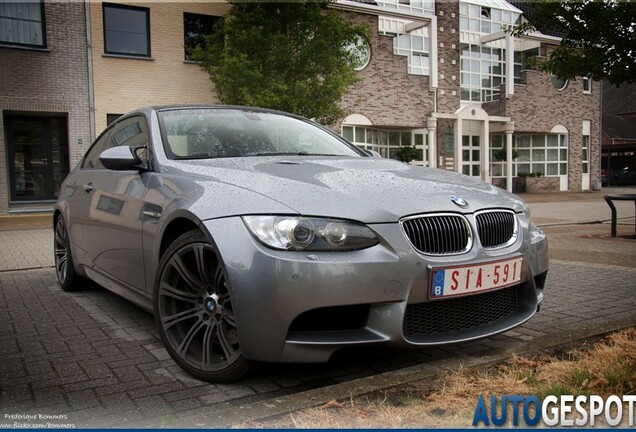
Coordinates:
<point>89,53</point>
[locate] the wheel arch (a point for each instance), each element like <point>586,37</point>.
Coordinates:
<point>176,227</point>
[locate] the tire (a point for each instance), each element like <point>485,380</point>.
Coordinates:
<point>194,313</point>
<point>68,279</point>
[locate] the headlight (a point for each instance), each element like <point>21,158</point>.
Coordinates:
<point>526,211</point>
<point>536,234</point>
<point>315,234</point>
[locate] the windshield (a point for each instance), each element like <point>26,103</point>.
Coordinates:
<point>203,133</point>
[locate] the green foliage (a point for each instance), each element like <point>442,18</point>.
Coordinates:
<point>501,154</point>
<point>580,376</point>
<point>598,38</point>
<point>292,56</point>
<point>407,153</point>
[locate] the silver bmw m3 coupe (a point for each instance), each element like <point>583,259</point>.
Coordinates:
<point>255,235</point>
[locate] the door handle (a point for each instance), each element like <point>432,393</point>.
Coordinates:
<point>88,187</point>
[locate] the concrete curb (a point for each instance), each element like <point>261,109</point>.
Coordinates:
<point>260,410</point>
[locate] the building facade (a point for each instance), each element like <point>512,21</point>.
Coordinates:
<point>440,76</point>
<point>44,100</point>
<point>151,67</point>
<point>477,106</point>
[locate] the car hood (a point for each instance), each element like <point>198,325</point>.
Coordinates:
<point>365,189</point>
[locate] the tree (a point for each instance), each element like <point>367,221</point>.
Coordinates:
<point>598,38</point>
<point>293,56</point>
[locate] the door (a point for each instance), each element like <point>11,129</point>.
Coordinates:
<point>471,155</point>
<point>419,139</point>
<point>38,156</point>
<point>107,222</point>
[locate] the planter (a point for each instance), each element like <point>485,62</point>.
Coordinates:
<point>499,182</point>
<point>518,183</point>
<point>542,184</point>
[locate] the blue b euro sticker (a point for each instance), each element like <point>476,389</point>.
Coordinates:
<point>438,283</point>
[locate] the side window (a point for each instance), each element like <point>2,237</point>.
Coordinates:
<point>91,160</point>
<point>131,132</point>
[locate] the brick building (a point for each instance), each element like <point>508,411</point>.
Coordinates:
<point>445,77</point>
<point>441,76</point>
<point>151,68</point>
<point>44,100</point>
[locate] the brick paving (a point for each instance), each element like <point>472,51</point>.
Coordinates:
<point>27,249</point>
<point>98,360</point>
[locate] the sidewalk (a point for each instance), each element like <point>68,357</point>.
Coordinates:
<point>564,208</point>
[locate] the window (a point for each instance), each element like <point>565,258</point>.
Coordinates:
<point>471,155</point>
<point>415,46</point>
<point>91,160</point>
<point>587,85</point>
<point>22,24</point>
<point>130,132</point>
<point>482,72</point>
<point>360,52</point>
<point>195,28</point>
<point>387,142</point>
<point>414,6</point>
<point>558,83</point>
<point>110,118</point>
<point>126,30</point>
<point>586,154</point>
<point>545,154</point>
<point>484,19</point>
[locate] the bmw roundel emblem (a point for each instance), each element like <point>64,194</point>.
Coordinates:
<point>459,201</point>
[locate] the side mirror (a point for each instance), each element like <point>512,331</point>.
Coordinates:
<point>121,158</point>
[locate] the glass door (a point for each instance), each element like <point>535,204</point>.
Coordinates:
<point>471,154</point>
<point>38,156</point>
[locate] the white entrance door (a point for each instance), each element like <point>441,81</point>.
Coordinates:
<point>421,144</point>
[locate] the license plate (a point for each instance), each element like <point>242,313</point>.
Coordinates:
<point>464,280</point>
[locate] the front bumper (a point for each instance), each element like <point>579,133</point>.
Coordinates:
<point>294,306</point>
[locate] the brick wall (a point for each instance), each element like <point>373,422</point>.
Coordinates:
<point>386,93</point>
<point>123,84</point>
<point>54,80</point>
<point>536,107</point>
<point>448,94</point>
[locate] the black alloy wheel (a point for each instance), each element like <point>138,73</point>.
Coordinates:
<point>68,279</point>
<point>194,312</point>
